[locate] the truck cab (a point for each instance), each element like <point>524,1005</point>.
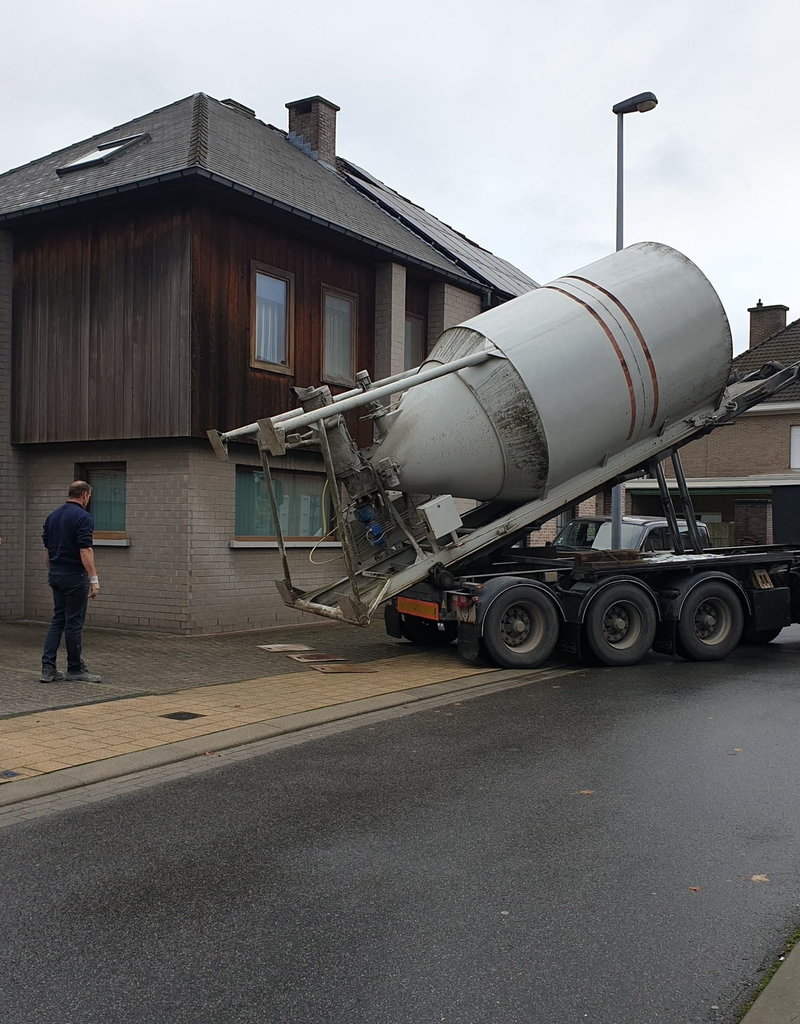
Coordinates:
<point>639,533</point>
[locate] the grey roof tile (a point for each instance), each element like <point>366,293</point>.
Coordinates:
<point>202,135</point>
<point>783,347</point>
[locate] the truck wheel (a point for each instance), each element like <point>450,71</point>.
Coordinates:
<point>759,636</point>
<point>710,625</point>
<point>426,633</point>
<point>520,629</point>
<point>620,625</point>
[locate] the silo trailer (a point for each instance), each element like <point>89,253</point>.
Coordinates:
<point>515,416</point>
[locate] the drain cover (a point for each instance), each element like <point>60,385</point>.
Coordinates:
<point>182,716</point>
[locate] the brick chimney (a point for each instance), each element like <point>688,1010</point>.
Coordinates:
<point>765,321</point>
<point>314,120</point>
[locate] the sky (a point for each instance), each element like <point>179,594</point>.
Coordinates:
<point>496,117</point>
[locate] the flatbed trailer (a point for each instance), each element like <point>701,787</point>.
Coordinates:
<point>610,606</point>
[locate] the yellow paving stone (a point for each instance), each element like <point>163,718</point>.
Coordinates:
<point>41,767</point>
<point>58,738</point>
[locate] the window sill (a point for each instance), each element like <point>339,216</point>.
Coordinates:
<point>311,543</point>
<point>111,542</point>
<point>285,369</point>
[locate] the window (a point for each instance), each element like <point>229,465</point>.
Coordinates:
<point>102,154</point>
<point>339,334</point>
<point>794,457</point>
<point>108,502</point>
<point>272,318</point>
<point>414,351</point>
<point>299,497</point>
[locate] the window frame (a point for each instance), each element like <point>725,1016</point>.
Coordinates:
<point>794,447</point>
<point>415,318</point>
<point>102,153</point>
<point>83,471</point>
<point>288,278</point>
<point>291,540</point>
<point>325,376</point>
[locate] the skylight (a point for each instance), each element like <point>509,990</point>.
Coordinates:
<point>102,154</point>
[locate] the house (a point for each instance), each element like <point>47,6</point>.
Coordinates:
<point>745,478</point>
<point>182,272</point>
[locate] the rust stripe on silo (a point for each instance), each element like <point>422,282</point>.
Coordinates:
<point>625,369</point>
<point>637,332</point>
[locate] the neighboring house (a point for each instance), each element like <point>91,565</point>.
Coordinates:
<point>183,272</point>
<point>745,478</point>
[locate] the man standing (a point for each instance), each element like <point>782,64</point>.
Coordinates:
<point>72,576</point>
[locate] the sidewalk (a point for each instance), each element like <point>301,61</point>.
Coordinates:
<point>165,698</point>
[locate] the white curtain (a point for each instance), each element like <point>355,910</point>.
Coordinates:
<point>271,319</point>
<point>338,338</point>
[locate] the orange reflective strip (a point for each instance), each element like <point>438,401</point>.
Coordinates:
<point>422,609</point>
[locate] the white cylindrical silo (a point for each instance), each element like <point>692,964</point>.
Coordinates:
<point>594,362</point>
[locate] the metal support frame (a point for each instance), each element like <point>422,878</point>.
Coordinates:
<point>688,506</point>
<point>667,505</point>
<point>273,505</point>
<point>333,483</point>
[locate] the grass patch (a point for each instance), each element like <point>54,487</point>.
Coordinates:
<point>769,974</point>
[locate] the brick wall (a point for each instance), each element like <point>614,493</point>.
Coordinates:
<point>12,511</point>
<point>751,445</point>
<point>753,522</point>
<point>145,585</point>
<point>448,306</point>
<point>179,574</point>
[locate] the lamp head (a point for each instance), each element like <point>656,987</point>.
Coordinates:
<point>642,102</point>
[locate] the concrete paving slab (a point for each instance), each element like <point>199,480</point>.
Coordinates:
<point>779,1003</point>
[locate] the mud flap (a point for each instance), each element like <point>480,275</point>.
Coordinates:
<point>391,621</point>
<point>469,641</point>
<point>569,640</point>
<point>664,642</point>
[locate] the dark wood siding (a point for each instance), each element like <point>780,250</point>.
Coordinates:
<point>101,314</point>
<point>228,391</point>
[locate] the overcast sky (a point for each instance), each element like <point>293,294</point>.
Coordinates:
<point>495,117</point>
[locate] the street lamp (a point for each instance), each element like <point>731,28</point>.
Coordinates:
<point>642,102</point>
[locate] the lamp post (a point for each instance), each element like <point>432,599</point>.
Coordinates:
<point>642,102</point>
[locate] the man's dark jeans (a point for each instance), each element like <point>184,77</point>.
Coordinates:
<point>70,596</point>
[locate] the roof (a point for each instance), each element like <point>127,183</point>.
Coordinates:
<point>782,347</point>
<point>492,270</point>
<point>199,136</point>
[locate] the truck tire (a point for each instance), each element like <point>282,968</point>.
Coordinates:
<point>620,625</point>
<point>426,633</point>
<point>520,629</point>
<point>759,636</point>
<point>710,624</point>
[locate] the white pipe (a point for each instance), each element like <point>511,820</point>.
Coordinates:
<point>281,416</point>
<point>403,382</point>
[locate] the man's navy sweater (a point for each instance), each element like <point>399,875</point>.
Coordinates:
<point>65,532</point>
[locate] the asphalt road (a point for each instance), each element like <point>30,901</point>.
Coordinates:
<point>614,846</point>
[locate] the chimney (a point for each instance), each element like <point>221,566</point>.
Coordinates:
<point>314,120</point>
<point>239,107</point>
<point>765,321</point>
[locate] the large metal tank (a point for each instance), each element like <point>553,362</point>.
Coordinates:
<point>595,362</point>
